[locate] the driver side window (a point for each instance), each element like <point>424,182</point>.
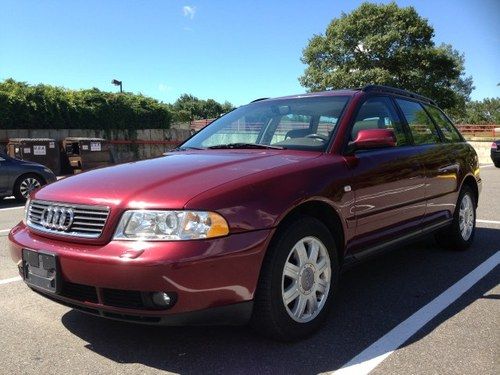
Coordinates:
<point>379,113</point>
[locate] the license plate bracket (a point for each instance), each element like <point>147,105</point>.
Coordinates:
<point>41,270</point>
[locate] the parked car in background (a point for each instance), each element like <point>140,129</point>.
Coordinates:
<point>253,217</point>
<point>19,177</point>
<point>495,153</point>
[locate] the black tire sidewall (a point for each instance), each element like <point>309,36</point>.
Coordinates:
<point>298,229</point>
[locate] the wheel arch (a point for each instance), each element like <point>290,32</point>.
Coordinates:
<point>323,212</point>
<point>471,182</point>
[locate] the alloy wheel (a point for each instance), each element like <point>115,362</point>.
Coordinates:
<point>28,185</point>
<point>466,217</point>
<point>306,279</point>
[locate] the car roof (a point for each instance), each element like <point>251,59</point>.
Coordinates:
<point>351,92</point>
<point>346,92</point>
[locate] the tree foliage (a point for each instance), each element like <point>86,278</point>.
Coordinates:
<point>386,45</point>
<point>189,107</point>
<point>48,107</point>
<point>486,111</point>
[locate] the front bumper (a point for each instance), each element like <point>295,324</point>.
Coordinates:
<point>215,279</point>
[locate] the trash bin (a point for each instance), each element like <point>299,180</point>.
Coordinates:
<point>44,151</point>
<point>87,153</point>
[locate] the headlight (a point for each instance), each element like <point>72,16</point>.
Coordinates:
<point>170,225</point>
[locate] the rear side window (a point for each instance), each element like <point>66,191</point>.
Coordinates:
<point>449,132</point>
<point>421,126</point>
<point>379,113</point>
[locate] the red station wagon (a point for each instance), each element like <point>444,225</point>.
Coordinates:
<point>253,218</point>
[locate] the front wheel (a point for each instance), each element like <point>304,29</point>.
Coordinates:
<point>460,234</point>
<point>297,282</point>
<point>25,185</point>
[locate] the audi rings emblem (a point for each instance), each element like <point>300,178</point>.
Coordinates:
<point>57,218</point>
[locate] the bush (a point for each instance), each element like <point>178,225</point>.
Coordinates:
<point>48,107</point>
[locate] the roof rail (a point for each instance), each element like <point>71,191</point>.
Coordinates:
<point>393,90</point>
<point>258,100</point>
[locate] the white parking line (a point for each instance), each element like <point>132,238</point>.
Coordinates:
<point>372,356</point>
<point>487,221</point>
<point>11,208</point>
<point>4,230</point>
<point>486,165</point>
<point>11,280</point>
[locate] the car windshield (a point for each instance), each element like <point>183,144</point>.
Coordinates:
<point>306,123</point>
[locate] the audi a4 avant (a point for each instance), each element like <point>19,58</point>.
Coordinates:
<point>253,217</point>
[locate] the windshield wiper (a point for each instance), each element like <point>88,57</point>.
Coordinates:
<point>245,145</point>
<point>185,148</point>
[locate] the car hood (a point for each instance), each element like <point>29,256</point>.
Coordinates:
<point>166,182</point>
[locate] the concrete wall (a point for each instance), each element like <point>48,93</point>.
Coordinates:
<point>121,153</point>
<point>483,149</point>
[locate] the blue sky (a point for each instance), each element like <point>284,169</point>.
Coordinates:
<point>226,50</point>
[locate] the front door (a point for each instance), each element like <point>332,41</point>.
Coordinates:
<point>388,183</point>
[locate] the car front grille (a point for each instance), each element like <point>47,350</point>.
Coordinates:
<point>67,219</point>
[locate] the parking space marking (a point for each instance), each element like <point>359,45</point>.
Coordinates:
<point>377,352</point>
<point>11,208</point>
<point>4,230</point>
<point>486,165</point>
<point>487,221</point>
<point>11,280</point>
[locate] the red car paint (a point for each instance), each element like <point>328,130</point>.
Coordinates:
<point>375,196</point>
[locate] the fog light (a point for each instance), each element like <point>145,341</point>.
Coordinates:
<point>161,299</point>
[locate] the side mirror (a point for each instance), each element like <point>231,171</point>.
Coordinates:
<point>373,138</point>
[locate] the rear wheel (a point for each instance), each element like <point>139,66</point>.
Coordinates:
<point>25,185</point>
<point>460,234</point>
<point>297,282</point>
<point>497,164</point>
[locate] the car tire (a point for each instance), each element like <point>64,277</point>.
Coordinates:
<point>460,234</point>
<point>497,164</point>
<point>25,185</point>
<point>308,283</point>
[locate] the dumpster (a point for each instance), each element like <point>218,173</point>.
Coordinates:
<point>44,151</point>
<point>87,153</point>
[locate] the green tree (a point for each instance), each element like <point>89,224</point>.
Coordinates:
<point>486,111</point>
<point>189,107</point>
<point>386,45</point>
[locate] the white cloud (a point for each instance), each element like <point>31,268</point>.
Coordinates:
<point>164,88</point>
<point>189,11</point>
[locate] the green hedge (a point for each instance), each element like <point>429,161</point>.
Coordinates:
<point>48,107</point>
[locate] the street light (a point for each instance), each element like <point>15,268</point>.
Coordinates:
<point>117,83</point>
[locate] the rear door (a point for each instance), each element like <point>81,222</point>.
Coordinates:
<point>388,183</point>
<point>438,158</point>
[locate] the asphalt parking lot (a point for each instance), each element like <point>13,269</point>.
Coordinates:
<point>379,302</point>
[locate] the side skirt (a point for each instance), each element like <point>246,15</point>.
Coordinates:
<point>383,247</point>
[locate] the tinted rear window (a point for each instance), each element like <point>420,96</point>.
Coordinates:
<point>449,132</point>
<point>421,126</point>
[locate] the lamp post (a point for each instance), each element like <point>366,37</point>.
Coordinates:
<point>117,83</point>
